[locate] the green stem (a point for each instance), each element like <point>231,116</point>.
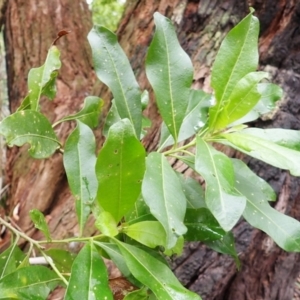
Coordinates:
<point>184,147</point>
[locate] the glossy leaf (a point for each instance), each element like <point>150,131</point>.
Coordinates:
<point>28,283</point>
<point>40,222</point>
<point>267,151</point>
<point>154,274</point>
<point>79,162</point>
<point>269,94</point>
<point>62,259</point>
<point>237,56</point>
<point>177,249</point>
<point>242,99</point>
<point>89,114</point>
<point>10,260</point>
<point>33,128</point>
<point>41,81</point>
<point>202,225</point>
<point>163,194</point>
<point>217,170</point>
<point>170,73</point>
<point>193,191</point>
<point>284,230</point>
<point>119,182</point>
<point>145,99</point>
<point>225,245</point>
<point>107,224</point>
<point>148,233</point>
<point>113,68</point>
<point>89,278</point>
<point>194,119</point>
<point>283,137</point>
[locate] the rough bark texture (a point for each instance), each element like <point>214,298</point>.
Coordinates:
<point>267,272</point>
<point>29,29</point>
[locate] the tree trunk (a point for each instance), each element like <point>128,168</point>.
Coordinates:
<point>30,26</point>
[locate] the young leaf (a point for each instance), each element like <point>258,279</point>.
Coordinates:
<point>40,223</point>
<point>195,118</point>
<point>148,233</point>
<point>119,183</point>
<point>225,245</point>
<point>41,81</point>
<point>202,226</point>
<point>154,274</point>
<point>34,282</point>
<point>269,94</point>
<point>141,294</point>
<point>89,114</point>
<point>113,68</point>
<point>267,151</point>
<point>89,278</point>
<point>33,128</point>
<point>10,259</point>
<point>163,194</point>
<point>284,230</point>
<point>170,73</point>
<point>237,56</point>
<point>242,99</point>
<point>62,259</point>
<point>79,162</point>
<point>106,224</point>
<point>217,170</point>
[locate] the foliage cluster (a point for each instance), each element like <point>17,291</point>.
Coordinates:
<point>143,209</point>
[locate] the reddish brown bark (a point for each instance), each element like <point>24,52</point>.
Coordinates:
<point>267,272</point>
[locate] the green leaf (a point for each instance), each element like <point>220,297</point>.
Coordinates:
<point>25,104</point>
<point>89,278</point>
<point>283,137</point>
<point>113,68</point>
<point>89,114</point>
<point>237,56</point>
<point>267,151</point>
<point>193,192</point>
<point>269,94</point>
<point>148,233</point>
<point>10,259</point>
<point>225,245</point>
<point>284,230</point>
<point>140,209</point>
<point>40,223</point>
<point>154,274</point>
<point>120,168</point>
<point>177,249</point>
<point>29,283</point>
<point>163,194</point>
<point>242,99</point>
<point>111,118</point>
<point>62,259</point>
<point>195,118</point>
<point>170,73</point>
<point>107,224</point>
<point>115,255</point>
<point>141,294</point>
<point>145,99</point>
<point>217,170</point>
<point>41,81</point>
<point>79,162</point>
<point>202,226</point>
<point>33,128</point>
